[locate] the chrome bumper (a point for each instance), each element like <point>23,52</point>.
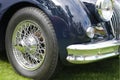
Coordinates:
<point>86,53</point>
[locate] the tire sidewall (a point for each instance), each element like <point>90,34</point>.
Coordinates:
<point>51,53</point>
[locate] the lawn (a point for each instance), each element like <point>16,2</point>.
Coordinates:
<point>103,70</point>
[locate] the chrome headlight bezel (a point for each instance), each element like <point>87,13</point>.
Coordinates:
<point>90,32</point>
<point>105,9</point>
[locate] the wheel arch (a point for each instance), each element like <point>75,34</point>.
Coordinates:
<point>7,16</point>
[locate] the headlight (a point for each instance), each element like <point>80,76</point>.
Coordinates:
<point>90,32</point>
<point>105,9</point>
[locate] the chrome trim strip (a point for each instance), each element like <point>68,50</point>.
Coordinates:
<point>87,53</point>
<point>90,58</point>
<point>94,45</point>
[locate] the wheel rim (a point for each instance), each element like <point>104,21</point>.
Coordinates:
<point>29,45</point>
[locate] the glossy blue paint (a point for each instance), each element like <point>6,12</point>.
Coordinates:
<point>90,4</point>
<point>70,18</point>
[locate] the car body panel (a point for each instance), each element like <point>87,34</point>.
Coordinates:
<point>69,18</point>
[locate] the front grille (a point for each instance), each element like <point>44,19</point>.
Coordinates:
<point>115,23</point>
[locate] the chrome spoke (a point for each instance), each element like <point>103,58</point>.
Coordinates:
<point>29,45</point>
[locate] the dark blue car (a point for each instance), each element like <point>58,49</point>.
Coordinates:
<point>38,35</point>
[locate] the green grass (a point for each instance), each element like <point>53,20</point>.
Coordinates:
<point>103,70</point>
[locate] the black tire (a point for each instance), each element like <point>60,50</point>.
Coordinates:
<point>49,64</point>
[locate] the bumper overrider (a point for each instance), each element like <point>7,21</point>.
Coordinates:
<point>87,53</point>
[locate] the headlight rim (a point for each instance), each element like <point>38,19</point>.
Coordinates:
<point>99,10</point>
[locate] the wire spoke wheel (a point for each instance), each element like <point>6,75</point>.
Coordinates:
<point>31,44</point>
<point>29,47</point>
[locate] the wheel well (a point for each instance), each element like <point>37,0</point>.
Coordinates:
<point>5,20</point>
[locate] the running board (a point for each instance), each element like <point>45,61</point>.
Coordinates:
<point>87,53</point>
